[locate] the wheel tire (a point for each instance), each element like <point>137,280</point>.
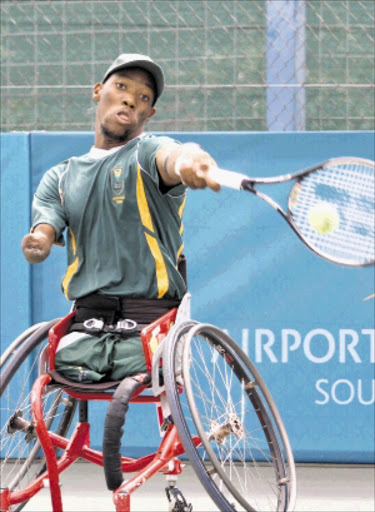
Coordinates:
<point>21,457</point>
<point>225,403</point>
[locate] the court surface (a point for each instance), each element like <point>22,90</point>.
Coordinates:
<point>321,488</point>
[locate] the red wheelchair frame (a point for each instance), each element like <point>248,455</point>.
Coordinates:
<point>165,459</point>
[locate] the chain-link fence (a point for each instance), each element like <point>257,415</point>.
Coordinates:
<point>229,64</point>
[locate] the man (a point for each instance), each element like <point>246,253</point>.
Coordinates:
<point>122,204</point>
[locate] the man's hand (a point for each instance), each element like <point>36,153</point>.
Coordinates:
<point>187,163</point>
<point>36,246</point>
<point>193,169</point>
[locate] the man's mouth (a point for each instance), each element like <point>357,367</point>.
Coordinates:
<point>123,116</point>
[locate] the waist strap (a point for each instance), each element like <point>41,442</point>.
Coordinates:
<point>97,327</point>
<point>107,313</point>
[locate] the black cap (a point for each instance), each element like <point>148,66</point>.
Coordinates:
<point>130,60</point>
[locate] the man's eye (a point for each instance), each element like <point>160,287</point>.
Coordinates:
<point>144,97</point>
<point>120,85</point>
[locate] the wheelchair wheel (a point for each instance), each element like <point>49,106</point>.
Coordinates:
<point>22,459</point>
<point>227,422</point>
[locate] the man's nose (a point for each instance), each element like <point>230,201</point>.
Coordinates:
<point>129,102</point>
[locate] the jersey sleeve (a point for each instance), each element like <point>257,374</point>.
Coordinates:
<point>147,152</point>
<point>47,207</point>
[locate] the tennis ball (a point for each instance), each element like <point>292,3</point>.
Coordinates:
<point>324,218</point>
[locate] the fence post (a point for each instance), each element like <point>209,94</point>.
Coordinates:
<point>286,66</point>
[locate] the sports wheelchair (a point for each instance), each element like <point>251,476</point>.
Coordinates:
<point>212,407</point>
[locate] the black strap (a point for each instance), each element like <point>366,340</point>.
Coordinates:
<point>96,327</point>
<point>142,311</point>
<point>146,311</point>
<point>97,313</point>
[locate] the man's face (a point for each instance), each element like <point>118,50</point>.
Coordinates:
<point>124,106</point>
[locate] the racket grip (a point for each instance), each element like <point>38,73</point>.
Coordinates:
<point>225,178</point>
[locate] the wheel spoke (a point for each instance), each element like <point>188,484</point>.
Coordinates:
<point>225,402</point>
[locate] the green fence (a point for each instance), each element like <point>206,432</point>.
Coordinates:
<point>230,65</point>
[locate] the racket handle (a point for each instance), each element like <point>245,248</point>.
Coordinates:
<point>225,178</point>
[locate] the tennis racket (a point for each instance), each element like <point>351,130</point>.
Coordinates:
<point>331,206</point>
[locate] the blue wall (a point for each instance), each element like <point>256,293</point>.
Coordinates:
<point>15,223</point>
<point>294,313</point>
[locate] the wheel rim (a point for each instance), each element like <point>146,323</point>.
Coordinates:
<point>223,407</point>
<point>21,457</point>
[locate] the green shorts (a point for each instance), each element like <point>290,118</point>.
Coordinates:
<point>84,358</point>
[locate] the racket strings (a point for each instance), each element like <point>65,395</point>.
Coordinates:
<point>349,188</point>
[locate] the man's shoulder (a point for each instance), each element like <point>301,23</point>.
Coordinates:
<point>58,169</point>
<point>151,143</point>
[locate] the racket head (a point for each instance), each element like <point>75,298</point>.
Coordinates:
<point>332,209</point>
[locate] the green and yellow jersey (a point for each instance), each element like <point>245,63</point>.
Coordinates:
<point>124,234</point>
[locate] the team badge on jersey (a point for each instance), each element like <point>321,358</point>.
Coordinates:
<point>118,185</point>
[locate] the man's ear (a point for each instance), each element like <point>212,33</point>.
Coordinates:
<point>153,110</point>
<point>96,91</point>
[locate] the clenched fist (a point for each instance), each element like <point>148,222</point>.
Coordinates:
<point>36,246</point>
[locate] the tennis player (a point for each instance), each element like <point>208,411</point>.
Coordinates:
<point>122,206</point>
